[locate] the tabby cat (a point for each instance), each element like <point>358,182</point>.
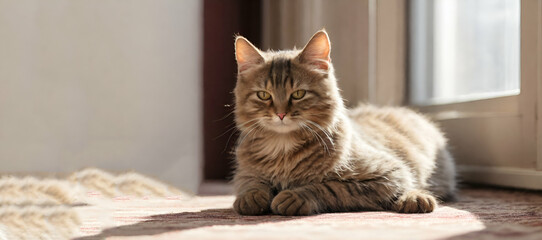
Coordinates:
<point>301,152</point>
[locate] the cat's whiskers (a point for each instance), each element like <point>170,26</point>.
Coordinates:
<point>236,130</point>
<point>251,128</point>
<point>247,122</point>
<point>234,127</point>
<point>309,130</point>
<point>258,127</point>
<point>258,130</point>
<point>247,135</point>
<point>228,142</point>
<point>231,128</point>
<point>324,131</point>
<point>227,115</point>
<point>232,123</point>
<point>318,137</point>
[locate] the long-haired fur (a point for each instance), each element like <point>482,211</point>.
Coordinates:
<point>309,154</point>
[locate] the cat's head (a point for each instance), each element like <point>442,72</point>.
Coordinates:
<point>286,91</point>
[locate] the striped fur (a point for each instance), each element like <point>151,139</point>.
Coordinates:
<point>322,157</point>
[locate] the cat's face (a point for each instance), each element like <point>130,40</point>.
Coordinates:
<point>287,91</point>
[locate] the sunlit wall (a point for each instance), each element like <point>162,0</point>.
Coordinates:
<point>110,84</point>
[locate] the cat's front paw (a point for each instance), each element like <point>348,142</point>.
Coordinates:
<point>289,203</point>
<point>253,202</point>
<point>416,202</point>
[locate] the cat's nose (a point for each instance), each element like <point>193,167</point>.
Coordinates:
<point>281,115</point>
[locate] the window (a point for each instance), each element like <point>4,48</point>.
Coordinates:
<point>473,50</point>
<point>475,67</point>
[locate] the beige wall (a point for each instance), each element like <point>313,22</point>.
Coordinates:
<point>110,84</point>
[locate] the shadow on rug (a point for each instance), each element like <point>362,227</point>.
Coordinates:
<point>479,213</point>
<point>163,223</point>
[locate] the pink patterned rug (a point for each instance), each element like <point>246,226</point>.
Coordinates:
<point>479,213</point>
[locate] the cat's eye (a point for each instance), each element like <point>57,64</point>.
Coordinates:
<point>263,95</point>
<point>298,94</point>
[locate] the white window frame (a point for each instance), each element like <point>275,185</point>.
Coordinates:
<point>497,140</point>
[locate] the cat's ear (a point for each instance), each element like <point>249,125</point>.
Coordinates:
<point>246,54</point>
<point>316,52</point>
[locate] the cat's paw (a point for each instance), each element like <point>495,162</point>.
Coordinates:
<point>289,203</point>
<point>416,202</point>
<point>253,202</point>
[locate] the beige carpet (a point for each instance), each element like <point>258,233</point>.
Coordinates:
<point>480,213</point>
<point>56,207</point>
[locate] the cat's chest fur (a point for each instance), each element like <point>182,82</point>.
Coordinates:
<point>286,160</point>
